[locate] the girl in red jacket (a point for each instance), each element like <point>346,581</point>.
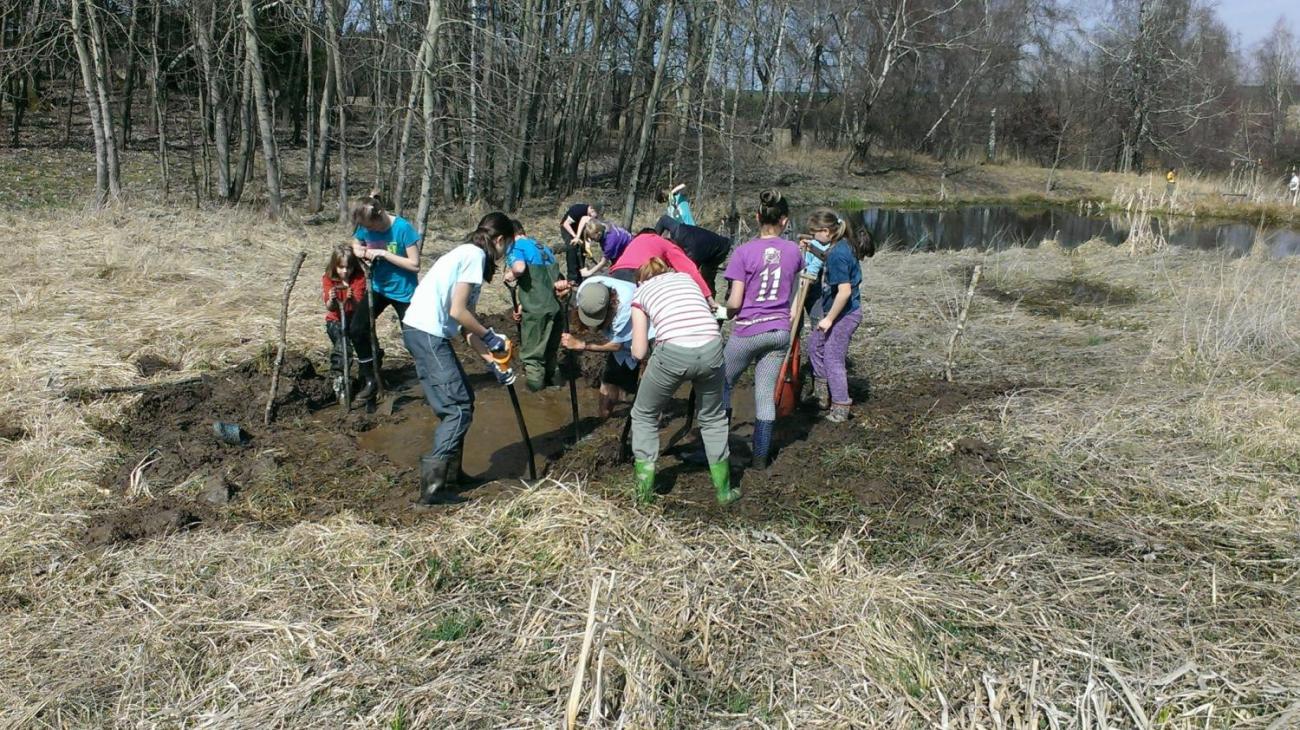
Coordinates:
<point>344,288</point>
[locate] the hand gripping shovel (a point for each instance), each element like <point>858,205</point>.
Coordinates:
<point>789,381</point>
<point>501,361</point>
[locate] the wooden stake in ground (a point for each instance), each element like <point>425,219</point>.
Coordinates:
<point>575,693</point>
<point>961,323</point>
<point>284,326</point>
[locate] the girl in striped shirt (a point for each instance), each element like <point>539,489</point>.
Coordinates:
<point>688,348</point>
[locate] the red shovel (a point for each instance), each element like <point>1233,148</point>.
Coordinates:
<point>789,382</point>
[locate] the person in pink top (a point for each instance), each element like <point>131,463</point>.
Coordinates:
<point>646,246</point>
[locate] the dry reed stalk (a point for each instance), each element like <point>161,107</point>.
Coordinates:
<point>575,693</point>
<point>284,330</point>
<point>961,323</point>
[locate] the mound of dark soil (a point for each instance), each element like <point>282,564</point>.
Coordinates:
<point>829,474</point>
<point>155,518</point>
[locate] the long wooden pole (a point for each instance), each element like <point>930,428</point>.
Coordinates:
<point>284,327</point>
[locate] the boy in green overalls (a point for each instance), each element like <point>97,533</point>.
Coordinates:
<point>533,270</point>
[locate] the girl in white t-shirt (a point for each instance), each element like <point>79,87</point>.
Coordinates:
<point>443,305</point>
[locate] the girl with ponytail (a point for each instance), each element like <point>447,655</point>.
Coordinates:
<point>763,274</point>
<point>834,252</point>
<point>443,305</point>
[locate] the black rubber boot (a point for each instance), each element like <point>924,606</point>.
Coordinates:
<point>367,390</point>
<point>433,477</point>
<point>456,477</point>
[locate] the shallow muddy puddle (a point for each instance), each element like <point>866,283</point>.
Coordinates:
<point>494,448</point>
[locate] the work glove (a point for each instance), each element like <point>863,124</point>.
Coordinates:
<point>504,377</point>
<point>493,341</point>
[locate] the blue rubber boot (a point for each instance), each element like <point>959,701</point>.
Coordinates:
<point>762,444</point>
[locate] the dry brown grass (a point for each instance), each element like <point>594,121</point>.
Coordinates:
<point>1133,563</point>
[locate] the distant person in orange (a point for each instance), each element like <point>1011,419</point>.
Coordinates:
<point>1171,183</point>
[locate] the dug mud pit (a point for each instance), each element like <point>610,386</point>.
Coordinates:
<point>1073,298</point>
<point>315,460</point>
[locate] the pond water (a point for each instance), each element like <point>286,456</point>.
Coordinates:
<point>1004,226</point>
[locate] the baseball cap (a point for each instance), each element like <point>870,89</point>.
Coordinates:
<point>593,299</point>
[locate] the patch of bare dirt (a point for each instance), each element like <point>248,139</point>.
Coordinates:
<point>830,474</point>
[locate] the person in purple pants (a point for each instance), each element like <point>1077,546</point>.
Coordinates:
<point>840,306</point>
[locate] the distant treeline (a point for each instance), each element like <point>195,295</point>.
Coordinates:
<point>500,100</point>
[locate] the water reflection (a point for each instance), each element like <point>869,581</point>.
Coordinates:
<point>1001,227</point>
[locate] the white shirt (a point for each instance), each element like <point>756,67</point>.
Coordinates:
<point>430,309</point>
<point>1295,183</point>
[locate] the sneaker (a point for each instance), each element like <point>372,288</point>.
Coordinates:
<point>838,413</point>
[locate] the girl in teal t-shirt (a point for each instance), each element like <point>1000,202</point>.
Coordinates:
<point>391,245</point>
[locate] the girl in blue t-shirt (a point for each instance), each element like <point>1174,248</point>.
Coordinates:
<point>839,307</point>
<point>390,246</point>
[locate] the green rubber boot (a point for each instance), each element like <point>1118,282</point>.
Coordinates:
<point>720,473</point>
<point>644,473</point>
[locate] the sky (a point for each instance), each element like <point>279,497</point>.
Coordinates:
<point>1253,19</point>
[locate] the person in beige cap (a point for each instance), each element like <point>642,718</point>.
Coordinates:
<point>604,307</point>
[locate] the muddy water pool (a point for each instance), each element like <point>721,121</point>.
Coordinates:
<point>494,449</point>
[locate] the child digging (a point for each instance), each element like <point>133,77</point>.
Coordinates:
<point>532,269</point>
<point>688,349</point>
<point>443,306</point>
<point>840,308</point>
<point>764,274</point>
<point>344,288</point>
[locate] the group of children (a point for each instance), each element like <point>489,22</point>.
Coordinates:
<point>629,291</point>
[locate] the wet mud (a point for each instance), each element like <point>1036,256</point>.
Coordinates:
<point>315,459</point>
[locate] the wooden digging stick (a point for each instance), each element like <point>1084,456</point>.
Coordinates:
<point>961,323</point>
<point>284,326</point>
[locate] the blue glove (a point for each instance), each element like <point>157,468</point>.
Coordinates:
<point>493,341</point>
<point>504,377</point>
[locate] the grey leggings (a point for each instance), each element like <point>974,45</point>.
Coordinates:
<point>769,349</point>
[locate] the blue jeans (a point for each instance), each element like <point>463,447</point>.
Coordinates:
<point>445,387</point>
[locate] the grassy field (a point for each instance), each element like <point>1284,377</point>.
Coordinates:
<point>1102,533</point>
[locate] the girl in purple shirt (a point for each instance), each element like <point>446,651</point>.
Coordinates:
<point>605,243</point>
<point>763,275</point>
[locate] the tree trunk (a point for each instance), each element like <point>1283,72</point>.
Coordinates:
<point>99,55</point>
<point>404,145</point>
<point>340,90</point>
<point>245,163</point>
<point>265,122</point>
<point>698,191</point>
<point>216,102</point>
<point>156,94</point>
<point>648,117</point>
<point>92,105</point>
<point>426,69</point>
<point>640,60</point>
<point>128,88</point>
<point>309,114</point>
<point>518,164</point>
